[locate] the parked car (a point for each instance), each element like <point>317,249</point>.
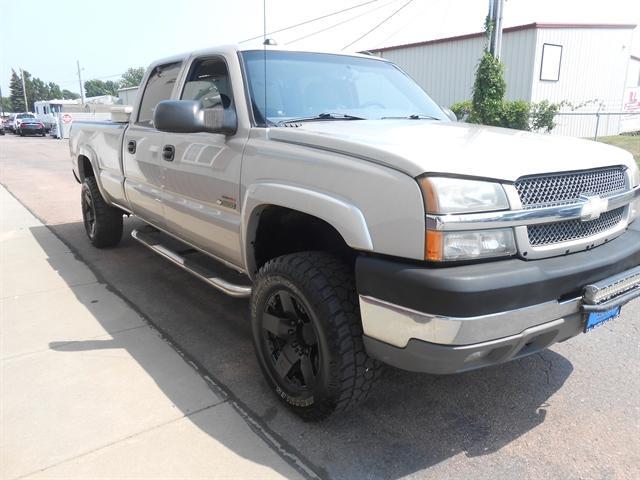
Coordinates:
<point>19,118</point>
<point>8,122</point>
<point>363,224</point>
<point>31,126</point>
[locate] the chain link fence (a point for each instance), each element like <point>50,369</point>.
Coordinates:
<point>595,124</point>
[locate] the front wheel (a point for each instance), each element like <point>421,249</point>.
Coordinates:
<point>102,222</point>
<point>308,336</point>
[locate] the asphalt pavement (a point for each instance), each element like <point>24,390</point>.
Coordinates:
<point>571,412</point>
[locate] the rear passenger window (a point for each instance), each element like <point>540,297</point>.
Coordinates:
<point>158,88</point>
<point>208,81</point>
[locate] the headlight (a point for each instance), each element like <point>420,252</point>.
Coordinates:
<point>450,196</point>
<point>444,195</point>
<point>451,246</point>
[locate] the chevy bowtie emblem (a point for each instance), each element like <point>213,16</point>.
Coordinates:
<point>593,207</point>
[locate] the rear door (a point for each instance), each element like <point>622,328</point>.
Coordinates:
<point>202,183</point>
<point>143,163</point>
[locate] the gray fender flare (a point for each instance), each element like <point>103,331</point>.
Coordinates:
<point>87,151</point>
<point>346,218</point>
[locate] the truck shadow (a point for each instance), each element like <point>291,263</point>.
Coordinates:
<point>411,422</point>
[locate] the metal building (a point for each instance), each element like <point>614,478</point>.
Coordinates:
<point>128,95</point>
<point>584,64</point>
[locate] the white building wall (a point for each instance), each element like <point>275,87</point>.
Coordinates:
<point>633,73</point>
<point>446,70</point>
<point>518,49</point>
<point>593,70</point>
<point>128,95</point>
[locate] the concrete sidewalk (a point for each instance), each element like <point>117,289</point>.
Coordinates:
<point>89,390</point>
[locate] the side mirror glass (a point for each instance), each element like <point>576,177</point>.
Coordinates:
<point>188,116</point>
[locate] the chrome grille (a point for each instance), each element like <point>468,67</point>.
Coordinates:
<point>552,233</point>
<point>557,189</point>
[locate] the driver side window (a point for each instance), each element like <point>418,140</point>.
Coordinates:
<point>208,81</point>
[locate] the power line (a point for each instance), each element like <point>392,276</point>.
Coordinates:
<point>341,23</point>
<point>378,25</point>
<point>312,20</point>
<point>414,19</point>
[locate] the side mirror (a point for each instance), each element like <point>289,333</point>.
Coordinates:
<point>449,113</point>
<point>188,116</point>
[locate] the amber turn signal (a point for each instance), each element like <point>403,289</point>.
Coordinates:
<point>433,246</point>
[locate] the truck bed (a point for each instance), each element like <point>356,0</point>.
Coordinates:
<point>102,142</point>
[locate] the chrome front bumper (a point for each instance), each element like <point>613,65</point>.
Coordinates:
<point>397,325</point>
<point>439,344</point>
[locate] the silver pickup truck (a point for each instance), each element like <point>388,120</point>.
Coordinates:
<point>364,224</point>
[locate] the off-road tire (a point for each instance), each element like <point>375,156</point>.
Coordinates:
<point>325,286</point>
<point>103,223</point>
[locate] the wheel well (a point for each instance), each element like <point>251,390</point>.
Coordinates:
<point>281,231</point>
<point>84,167</point>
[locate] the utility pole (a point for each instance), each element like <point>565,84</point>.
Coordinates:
<point>80,81</point>
<point>495,17</point>
<point>1,103</point>
<point>24,91</point>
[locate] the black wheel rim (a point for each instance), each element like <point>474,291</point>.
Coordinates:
<point>88,213</point>
<point>291,342</point>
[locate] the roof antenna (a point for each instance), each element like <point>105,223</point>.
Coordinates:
<point>264,49</point>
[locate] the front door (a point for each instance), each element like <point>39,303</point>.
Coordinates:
<point>143,162</point>
<point>202,183</point>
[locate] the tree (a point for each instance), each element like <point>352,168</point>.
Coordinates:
<point>95,88</point>
<point>36,88</point>
<point>54,91</point>
<point>5,104</point>
<point>69,95</point>
<point>488,91</point>
<point>16,93</point>
<point>132,77</point>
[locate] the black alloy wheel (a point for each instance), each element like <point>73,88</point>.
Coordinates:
<point>88,214</point>
<point>291,341</point>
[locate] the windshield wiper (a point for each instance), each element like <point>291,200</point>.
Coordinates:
<point>414,117</point>
<point>321,116</point>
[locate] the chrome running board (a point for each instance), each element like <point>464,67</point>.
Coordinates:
<point>148,238</point>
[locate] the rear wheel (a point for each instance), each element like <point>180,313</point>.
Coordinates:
<point>308,335</point>
<point>102,222</point>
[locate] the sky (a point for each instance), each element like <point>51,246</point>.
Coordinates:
<point>46,37</point>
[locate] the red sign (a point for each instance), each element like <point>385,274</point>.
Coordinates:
<point>66,118</point>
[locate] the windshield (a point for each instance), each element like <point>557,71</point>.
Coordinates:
<point>301,85</point>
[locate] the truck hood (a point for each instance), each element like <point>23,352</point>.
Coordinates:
<point>419,146</point>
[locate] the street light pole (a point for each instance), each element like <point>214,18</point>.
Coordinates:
<point>24,91</point>
<point>80,81</point>
<point>495,17</point>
